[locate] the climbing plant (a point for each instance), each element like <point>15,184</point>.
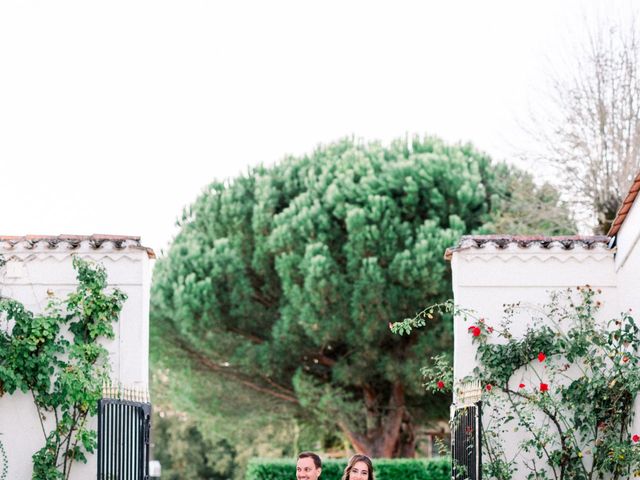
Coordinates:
<point>564,390</point>
<point>4,465</point>
<point>56,358</point>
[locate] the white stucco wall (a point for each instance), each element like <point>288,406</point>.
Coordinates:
<point>31,271</point>
<point>484,279</point>
<point>628,259</point>
<point>628,273</point>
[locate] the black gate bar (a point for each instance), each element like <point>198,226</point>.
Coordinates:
<point>124,427</point>
<point>466,447</point>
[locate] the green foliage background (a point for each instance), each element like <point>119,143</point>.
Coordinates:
<point>274,299</point>
<point>385,469</point>
<point>192,454</point>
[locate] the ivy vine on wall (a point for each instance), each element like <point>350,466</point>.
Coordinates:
<point>55,357</point>
<point>4,465</point>
<point>564,389</point>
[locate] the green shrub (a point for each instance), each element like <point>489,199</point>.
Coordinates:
<point>385,469</point>
<point>438,469</point>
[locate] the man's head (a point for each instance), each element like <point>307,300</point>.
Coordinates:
<point>309,466</point>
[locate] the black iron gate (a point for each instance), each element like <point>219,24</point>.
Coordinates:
<point>466,451</point>
<point>123,439</point>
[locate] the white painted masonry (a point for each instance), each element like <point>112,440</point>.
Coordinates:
<point>516,270</point>
<point>490,271</point>
<point>37,264</point>
<point>627,262</point>
<point>486,277</point>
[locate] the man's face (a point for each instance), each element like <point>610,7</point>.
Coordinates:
<point>306,469</point>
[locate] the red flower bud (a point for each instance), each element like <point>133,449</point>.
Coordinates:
<point>440,384</point>
<point>488,387</point>
<point>521,385</point>
<point>544,387</point>
<point>635,438</point>
<point>475,331</point>
<point>541,357</point>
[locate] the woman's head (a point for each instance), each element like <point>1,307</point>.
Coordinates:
<point>359,468</point>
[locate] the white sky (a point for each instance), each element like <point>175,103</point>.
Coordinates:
<point>115,114</point>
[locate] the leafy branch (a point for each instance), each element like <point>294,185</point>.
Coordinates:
<point>64,376</point>
<point>565,388</point>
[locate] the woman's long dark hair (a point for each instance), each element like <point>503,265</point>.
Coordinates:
<point>355,459</point>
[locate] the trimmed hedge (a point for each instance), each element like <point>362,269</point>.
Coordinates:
<point>385,469</point>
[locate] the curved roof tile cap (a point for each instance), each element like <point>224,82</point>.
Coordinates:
<point>625,207</point>
<point>95,241</point>
<point>566,242</point>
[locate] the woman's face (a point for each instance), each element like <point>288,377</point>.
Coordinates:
<point>360,471</point>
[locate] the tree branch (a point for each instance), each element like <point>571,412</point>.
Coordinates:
<point>217,368</point>
<point>356,440</point>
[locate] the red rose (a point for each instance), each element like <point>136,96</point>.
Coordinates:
<point>440,384</point>
<point>544,387</point>
<point>541,357</point>
<point>475,331</point>
<point>635,438</point>
<point>521,385</point>
<point>488,387</point>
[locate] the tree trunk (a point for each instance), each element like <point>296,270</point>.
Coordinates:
<point>392,436</point>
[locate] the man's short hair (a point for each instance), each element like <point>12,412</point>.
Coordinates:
<point>317,461</point>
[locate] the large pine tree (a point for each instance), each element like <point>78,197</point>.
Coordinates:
<point>283,281</point>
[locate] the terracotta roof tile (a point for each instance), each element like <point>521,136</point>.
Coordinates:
<point>566,242</point>
<point>73,241</point>
<point>625,207</point>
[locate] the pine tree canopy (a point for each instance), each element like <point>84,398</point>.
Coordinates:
<point>283,281</point>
